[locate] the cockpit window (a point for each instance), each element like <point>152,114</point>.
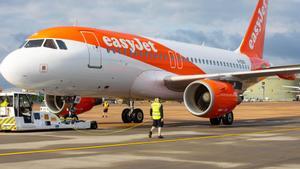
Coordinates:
<point>34,43</point>
<point>61,44</point>
<point>23,44</point>
<point>50,44</point>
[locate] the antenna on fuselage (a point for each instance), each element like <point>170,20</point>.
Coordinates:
<point>75,22</point>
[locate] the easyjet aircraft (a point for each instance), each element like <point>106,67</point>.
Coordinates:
<point>92,63</point>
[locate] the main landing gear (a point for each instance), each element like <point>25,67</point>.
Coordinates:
<point>226,119</point>
<point>132,115</point>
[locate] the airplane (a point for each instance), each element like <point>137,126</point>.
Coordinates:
<point>70,61</point>
<point>294,89</point>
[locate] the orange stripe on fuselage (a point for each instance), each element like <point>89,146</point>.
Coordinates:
<point>138,48</point>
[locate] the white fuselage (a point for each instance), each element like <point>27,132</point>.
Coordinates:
<point>67,71</point>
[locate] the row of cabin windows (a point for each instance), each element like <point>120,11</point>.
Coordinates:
<point>187,59</point>
<point>218,63</point>
<point>48,43</point>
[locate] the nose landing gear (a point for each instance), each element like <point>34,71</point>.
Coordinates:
<point>132,115</point>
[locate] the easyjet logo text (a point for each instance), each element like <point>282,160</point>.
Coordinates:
<point>132,45</point>
<point>259,24</point>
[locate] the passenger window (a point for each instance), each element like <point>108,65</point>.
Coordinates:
<point>142,53</point>
<point>34,43</point>
<point>210,62</point>
<point>50,44</point>
<point>192,60</point>
<point>199,60</point>
<point>196,61</point>
<point>214,62</point>
<point>61,44</point>
<point>207,62</point>
<point>150,55</point>
<point>160,56</point>
<point>166,57</point>
<point>137,54</point>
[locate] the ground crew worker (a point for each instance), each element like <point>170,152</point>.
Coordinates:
<point>5,103</point>
<point>72,112</point>
<point>105,109</point>
<point>157,114</point>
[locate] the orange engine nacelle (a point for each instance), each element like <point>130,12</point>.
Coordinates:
<point>210,99</point>
<point>57,104</point>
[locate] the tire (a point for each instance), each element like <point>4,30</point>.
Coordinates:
<point>125,116</point>
<point>73,116</point>
<point>228,119</point>
<point>215,121</point>
<point>138,116</point>
<point>94,125</point>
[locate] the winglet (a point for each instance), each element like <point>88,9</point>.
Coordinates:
<point>253,42</point>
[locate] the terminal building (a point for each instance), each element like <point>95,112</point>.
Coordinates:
<point>272,89</point>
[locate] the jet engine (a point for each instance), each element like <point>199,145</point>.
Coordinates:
<point>210,99</point>
<point>59,104</point>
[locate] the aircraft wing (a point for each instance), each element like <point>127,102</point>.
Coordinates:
<point>179,83</point>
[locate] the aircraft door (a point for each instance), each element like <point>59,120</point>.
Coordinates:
<point>93,47</point>
<point>172,59</point>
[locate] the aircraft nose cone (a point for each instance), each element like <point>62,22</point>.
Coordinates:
<point>9,69</point>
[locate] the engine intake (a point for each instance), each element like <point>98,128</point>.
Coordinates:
<point>56,104</point>
<point>209,98</point>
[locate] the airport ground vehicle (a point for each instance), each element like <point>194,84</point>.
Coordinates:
<point>87,62</point>
<point>19,116</point>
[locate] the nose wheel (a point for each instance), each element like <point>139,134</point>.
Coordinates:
<point>130,115</point>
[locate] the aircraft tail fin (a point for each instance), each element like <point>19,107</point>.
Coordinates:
<point>253,42</point>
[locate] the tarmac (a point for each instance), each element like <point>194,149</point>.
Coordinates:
<point>268,138</point>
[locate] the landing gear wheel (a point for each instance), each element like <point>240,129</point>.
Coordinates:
<point>125,116</point>
<point>72,116</point>
<point>75,117</point>
<point>94,125</point>
<point>137,116</point>
<point>227,119</point>
<point>215,121</point>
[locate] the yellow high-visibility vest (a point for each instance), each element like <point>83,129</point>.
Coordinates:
<point>4,103</point>
<point>156,114</point>
<point>106,105</point>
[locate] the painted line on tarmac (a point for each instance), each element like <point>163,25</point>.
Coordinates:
<point>146,142</point>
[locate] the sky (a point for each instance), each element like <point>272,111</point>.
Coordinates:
<point>215,23</point>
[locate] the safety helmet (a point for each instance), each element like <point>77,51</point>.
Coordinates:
<point>156,99</point>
